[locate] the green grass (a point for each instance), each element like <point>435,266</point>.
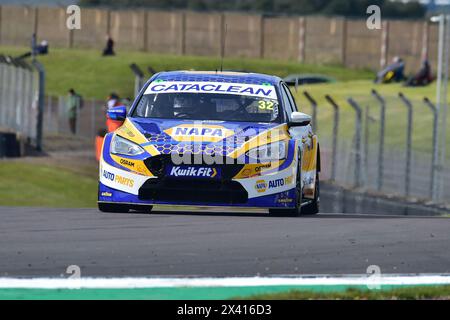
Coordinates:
<point>95,77</point>
<point>407,293</point>
<point>28,184</point>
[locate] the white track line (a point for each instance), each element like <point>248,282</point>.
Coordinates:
<point>130,283</point>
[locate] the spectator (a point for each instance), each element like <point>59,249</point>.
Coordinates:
<point>109,49</point>
<point>421,78</point>
<point>74,104</point>
<point>42,48</point>
<point>113,100</point>
<point>393,72</point>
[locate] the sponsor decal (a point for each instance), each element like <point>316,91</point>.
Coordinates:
<point>135,165</point>
<point>118,179</point>
<point>265,91</point>
<point>106,194</point>
<point>263,167</point>
<point>126,131</point>
<point>198,132</point>
<point>251,170</point>
<point>127,163</point>
<point>285,200</point>
<point>192,172</point>
<point>209,132</point>
<point>280,182</point>
<point>261,186</point>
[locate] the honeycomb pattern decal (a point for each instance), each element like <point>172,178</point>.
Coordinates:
<point>165,145</point>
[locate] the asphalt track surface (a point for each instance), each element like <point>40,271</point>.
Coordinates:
<point>40,242</point>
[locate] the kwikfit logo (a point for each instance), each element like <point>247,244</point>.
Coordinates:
<point>202,172</point>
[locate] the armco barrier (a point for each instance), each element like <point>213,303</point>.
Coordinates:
<point>336,199</point>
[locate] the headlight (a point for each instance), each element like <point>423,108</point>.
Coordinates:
<point>123,146</point>
<point>269,152</point>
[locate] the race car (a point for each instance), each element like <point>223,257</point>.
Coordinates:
<point>221,139</point>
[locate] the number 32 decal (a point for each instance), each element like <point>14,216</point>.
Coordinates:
<point>265,105</point>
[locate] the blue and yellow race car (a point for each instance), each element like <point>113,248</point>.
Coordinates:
<point>211,139</point>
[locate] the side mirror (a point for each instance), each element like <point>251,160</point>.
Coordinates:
<point>299,119</point>
<point>117,113</point>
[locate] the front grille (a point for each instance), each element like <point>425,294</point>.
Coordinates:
<point>157,166</point>
<point>193,190</point>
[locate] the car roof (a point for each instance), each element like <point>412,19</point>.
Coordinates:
<point>218,76</point>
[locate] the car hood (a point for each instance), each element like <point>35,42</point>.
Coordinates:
<point>181,135</point>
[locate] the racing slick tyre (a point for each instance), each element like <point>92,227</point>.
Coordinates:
<point>313,207</point>
<point>297,210</point>
<point>113,207</point>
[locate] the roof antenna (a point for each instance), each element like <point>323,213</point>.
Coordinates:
<point>222,48</point>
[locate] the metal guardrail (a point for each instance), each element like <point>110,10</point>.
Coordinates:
<point>19,98</point>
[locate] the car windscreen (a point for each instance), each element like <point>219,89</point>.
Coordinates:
<point>221,102</point>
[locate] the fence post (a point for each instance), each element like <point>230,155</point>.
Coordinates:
<point>183,34</point>
<point>18,103</point>
<point>302,39</point>
<point>381,143</point>
<point>434,161</point>
<point>366,144</point>
<point>49,114</point>
<point>41,101</point>
<point>408,143</point>
<point>335,136</point>
<point>93,118</point>
<point>2,90</point>
<point>314,108</point>
<point>384,43</point>
<point>31,94</point>
<point>358,133</point>
<point>261,37</point>
<point>139,78</point>
<point>344,42</point>
<point>11,100</point>
<point>61,115</point>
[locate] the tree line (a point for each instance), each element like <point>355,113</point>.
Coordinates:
<point>349,8</point>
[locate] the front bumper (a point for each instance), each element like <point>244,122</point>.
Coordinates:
<point>269,191</point>
<point>122,183</point>
<point>285,199</point>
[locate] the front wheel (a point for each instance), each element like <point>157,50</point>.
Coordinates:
<point>313,207</point>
